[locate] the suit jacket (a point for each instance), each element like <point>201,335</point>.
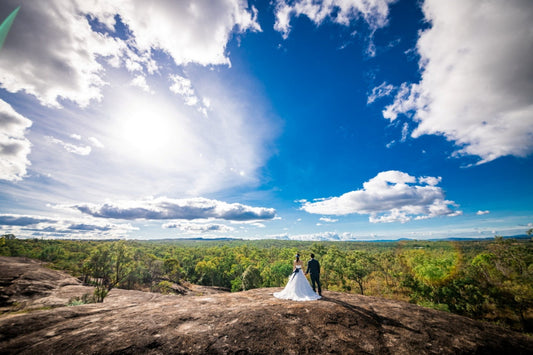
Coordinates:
<point>313,267</point>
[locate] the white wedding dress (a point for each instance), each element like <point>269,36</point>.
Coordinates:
<point>298,288</point>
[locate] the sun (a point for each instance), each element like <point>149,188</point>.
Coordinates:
<point>149,131</point>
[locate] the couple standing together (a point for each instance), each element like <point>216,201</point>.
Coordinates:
<point>298,288</point>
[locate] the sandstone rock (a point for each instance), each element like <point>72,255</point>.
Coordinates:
<point>251,322</point>
<point>26,284</point>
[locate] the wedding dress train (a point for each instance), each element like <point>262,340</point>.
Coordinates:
<point>298,288</point>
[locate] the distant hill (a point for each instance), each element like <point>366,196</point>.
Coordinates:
<point>251,322</point>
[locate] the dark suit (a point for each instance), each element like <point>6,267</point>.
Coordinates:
<point>313,268</point>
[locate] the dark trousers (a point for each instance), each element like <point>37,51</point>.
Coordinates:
<point>316,279</point>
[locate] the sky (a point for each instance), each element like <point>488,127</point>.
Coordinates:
<point>303,120</point>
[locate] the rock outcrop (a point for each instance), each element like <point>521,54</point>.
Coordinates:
<point>251,322</point>
<point>26,285</point>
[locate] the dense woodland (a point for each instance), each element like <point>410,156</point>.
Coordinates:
<point>487,279</point>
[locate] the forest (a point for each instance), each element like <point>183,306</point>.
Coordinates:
<point>490,280</point>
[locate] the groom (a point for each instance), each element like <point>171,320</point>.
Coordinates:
<point>313,267</point>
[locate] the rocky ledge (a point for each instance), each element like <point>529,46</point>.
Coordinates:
<point>251,322</point>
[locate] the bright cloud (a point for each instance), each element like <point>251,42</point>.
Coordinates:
<point>481,213</point>
<point>166,208</point>
<point>96,143</point>
<point>182,86</point>
<point>391,196</point>
<point>54,40</point>
<point>374,12</point>
<point>194,31</point>
<point>477,79</point>
<point>14,146</point>
<point>38,56</point>
<point>140,82</point>
<point>72,148</point>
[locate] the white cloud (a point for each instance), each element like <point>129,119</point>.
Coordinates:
<point>477,79</point>
<point>391,196</point>
<point>374,12</point>
<point>140,82</point>
<point>199,227</point>
<point>72,148</point>
<point>167,208</point>
<point>430,180</point>
<point>51,41</point>
<point>14,146</point>
<point>405,131</point>
<point>95,142</point>
<point>182,86</point>
<point>54,40</point>
<point>481,213</point>
<point>383,90</point>
<point>328,220</point>
<point>194,31</point>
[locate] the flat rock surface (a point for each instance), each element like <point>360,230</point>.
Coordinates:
<point>251,322</point>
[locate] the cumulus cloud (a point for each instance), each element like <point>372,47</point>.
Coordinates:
<point>391,196</point>
<point>374,12</point>
<point>194,31</point>
<point>167,208</point>
<point>56,39</point>
<point>481,213</point>
<point>51,41</point>
<point>14,146</point>
<point>199,227</point>
<point>477,80</point>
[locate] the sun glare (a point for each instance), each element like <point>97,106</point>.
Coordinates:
<point>148,131</point>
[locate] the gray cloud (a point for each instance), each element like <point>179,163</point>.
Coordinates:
<point>32,226</point>
<point>19,220</point>
<point>165,208</point>
<point>14,146</point>
<point>89,227</point>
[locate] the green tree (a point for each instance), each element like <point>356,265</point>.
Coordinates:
<point>275,274</point>
<point>172,269</point>
<point>359,265</point>
<point>108,265</point>
<point>251,278</point>
<point>505,274</point>
<point>52,253</point>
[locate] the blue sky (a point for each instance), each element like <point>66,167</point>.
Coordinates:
<point>308,120</point>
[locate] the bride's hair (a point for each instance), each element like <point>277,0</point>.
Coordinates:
<point>297,257</point>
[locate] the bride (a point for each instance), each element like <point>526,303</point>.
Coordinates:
<point>298,288</point>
